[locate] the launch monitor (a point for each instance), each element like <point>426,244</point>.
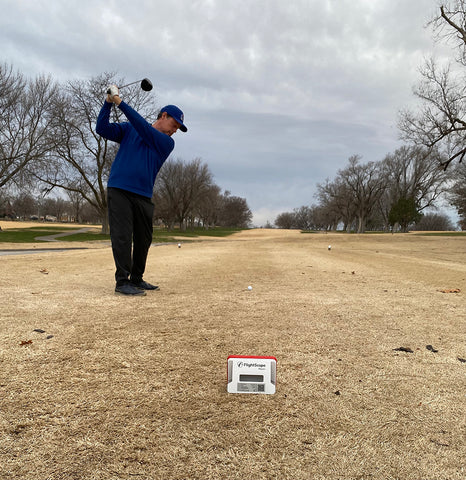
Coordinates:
<point>252,374</point>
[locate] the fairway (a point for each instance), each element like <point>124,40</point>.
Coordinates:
<point>118,388</point>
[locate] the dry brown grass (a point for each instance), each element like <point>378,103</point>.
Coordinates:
<point>136,387</point>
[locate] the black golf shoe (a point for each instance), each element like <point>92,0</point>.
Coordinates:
<point>143,285</point>
<point>129,289</point>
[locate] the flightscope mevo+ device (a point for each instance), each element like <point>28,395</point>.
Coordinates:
<point>251,374</point>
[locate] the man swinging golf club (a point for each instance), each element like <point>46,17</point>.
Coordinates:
<point>144,147</point>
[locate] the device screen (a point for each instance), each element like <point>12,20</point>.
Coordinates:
<point>251,378</point>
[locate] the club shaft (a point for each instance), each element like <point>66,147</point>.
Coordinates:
<point>127,85</point>
<point>132,83</point>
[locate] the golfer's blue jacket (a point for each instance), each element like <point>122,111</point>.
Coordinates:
<point>142,152</point>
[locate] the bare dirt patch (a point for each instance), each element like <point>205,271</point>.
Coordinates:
<point>123,388</point>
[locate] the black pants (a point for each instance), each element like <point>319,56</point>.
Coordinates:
<point>130,221</point>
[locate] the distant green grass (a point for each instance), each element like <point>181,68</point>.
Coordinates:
<point>29,235</point>
<point>202,232</point>
<point>85,237</point>
<point>441,234</point>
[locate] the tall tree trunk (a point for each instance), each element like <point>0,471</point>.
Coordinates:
<point>361,224</point>
<point>105,225</point>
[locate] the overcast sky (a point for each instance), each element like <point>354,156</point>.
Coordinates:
<point>277,94</point>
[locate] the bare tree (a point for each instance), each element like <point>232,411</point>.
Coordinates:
<point>457,194</point>
<point>336,198</point>
<point>441,120</point>
<point>285,220</point>
<point>206,208</point>
<point>24,205</point>
<point>365,184</point>
<point>234,212</point>
<point>383,207</point>
<point>198,182</point>
<point>77,201</point>
<point>180,189</point>
<point>4,198</point>
<point>434,222</point>
<point>323,218</point>
<point>449,25</point>
<point>302,217</point>
<point>170,199</point>
<point>413,172</point>
<point>24,122</point>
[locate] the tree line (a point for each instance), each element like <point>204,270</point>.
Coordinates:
<point>382,195</point>
<point>48,144</point>
<point>397,190</point>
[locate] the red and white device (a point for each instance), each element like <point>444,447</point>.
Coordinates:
<point>251,374</point>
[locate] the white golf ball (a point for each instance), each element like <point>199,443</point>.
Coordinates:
<point>179,245</point>
<point>249,288</point>
<point>329,247</point>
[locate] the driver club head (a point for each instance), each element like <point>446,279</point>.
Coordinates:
<point>146,85</point>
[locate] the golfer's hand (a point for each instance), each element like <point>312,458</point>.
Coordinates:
<point>113,95</point>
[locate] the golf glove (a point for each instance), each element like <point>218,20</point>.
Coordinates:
<point>113,91</point>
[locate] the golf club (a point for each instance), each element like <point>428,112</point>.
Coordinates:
<point>146,85</point>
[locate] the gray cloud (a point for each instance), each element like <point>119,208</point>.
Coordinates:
<point>277,95</point>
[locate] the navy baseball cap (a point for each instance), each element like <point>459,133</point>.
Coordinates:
<point>177,114</point>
